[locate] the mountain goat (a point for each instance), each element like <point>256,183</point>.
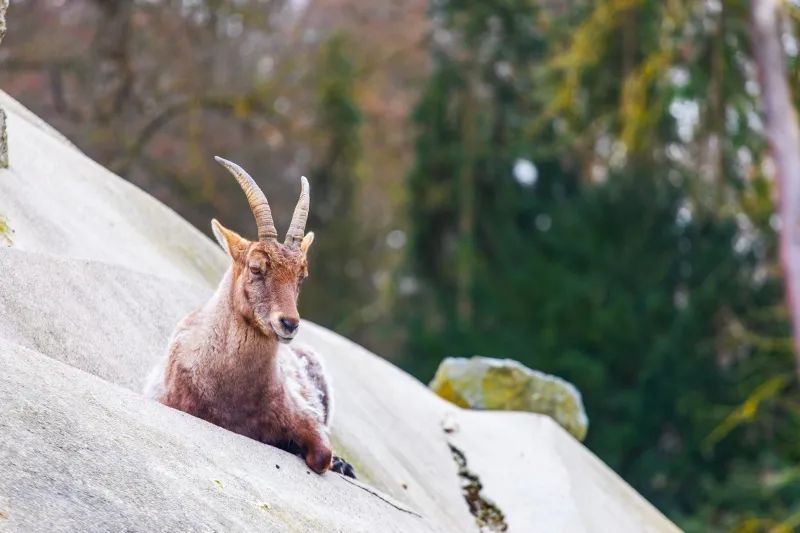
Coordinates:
<point>229,362</point>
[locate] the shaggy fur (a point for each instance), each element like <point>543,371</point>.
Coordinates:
<point>230,363</point>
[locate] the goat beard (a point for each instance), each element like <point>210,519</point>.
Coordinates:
<point>265,324</point>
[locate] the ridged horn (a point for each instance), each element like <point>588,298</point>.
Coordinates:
<point>298,226</point>
<point>256,198</point>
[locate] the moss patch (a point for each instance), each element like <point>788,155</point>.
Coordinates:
<point>6,233</point>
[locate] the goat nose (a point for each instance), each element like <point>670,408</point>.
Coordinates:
<point>290,324</point>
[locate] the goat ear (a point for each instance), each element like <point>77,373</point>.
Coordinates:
<point>305,244</point>
<point>230,241</point>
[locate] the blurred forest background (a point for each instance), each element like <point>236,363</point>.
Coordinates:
<point>582,186</point>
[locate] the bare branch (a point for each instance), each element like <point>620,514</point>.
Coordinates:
<point>222,103</point>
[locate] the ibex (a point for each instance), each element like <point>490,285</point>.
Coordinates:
<point>229,362</point>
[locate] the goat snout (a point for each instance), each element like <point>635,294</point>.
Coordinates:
<point>285,326</point>
<point>290,325</point>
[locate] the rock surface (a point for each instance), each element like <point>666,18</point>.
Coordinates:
<point>59,202</point>
<point>87,455</point>
<point>507,385</point>
<point>95,279</point>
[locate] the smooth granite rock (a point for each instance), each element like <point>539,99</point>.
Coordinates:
<point>81,454</point>
<point>96,278</point>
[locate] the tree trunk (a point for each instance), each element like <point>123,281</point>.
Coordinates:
<point>112,69</point>
<point>784,142</point>
<point>465,254</point>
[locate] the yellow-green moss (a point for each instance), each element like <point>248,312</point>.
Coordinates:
<point>6,232</point>
<point>506,385</point>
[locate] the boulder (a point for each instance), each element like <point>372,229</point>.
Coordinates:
<point>95,278</point>
<point>507,385</point>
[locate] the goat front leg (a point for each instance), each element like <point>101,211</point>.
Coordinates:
<point>315,448</point>
<point>338,465</point>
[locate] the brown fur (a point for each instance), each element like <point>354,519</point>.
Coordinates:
<point>228,362</point>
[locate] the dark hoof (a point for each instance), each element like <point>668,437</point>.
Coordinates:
<point>341,466</point>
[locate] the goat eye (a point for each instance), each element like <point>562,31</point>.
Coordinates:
<point>255,269</point>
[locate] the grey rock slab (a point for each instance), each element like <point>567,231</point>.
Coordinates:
<point>60,202</point>
<point>543,479</point>
<point>104,319</point>
<point>80,454</point>
<point>115,323</point>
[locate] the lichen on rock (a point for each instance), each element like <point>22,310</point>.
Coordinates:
<point>3,140</point>
<point>3,7</point>
<point>505,384</point>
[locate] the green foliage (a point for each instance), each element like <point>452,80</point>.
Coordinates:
<point>335,297</point>
<point>641,263</point>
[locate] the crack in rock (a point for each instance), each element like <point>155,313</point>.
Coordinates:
<point>3,140</point>
<point>380,496</point>
<point>487,515</point>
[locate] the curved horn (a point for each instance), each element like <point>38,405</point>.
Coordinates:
<point>255,197</point>
<point>298,226</point>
